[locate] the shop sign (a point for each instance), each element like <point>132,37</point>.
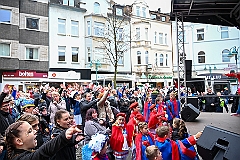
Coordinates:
<point>150,76</point>
<point>64,75</point>
<point>214,76</point>
<point>25,74</point>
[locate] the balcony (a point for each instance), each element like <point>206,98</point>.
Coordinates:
<point>141,43</point>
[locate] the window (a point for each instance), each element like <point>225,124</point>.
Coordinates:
<point>89,54</point>
<point>155,37</point>
<point>32,23</point>
<point>144,12</point>
<point>165,39</point>
<point>200,34</point>
<point>88,28</point>
<point>99,29</point>
<point>163,19</point>
<point>166,59</point>
<point>120,60</point>
<point>74,28</point>
<point>161,60</point>
<point>99,54</point>
<point>4,49</point>
<point>160,38</point>
<point>146,57</point>
<point>96,8</point>
<point>65,2</point>
<point>5,15</point>
<point>74,54</point>
<point>225,57</point>
<point>137,33</point>
<point>153,16</point>
<point>71,3</point>
<point>156,60</point>
<point>61,53</point>
<point>119,34</point>
<point>139,57</point>
<point>62,26</point>
<point>201,57</point>
<point>224,32</point>
<point>138,10</point>
<point>32,53</point>
<point>146,33</point>
<point>119,11</point>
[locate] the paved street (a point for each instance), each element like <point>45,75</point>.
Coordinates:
<point>220,120</point>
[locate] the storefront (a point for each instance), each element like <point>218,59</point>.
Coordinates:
<point>23,79</point>
<point>156,80</point>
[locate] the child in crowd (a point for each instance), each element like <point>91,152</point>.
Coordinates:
<point>179,131</point>
<point>135,109</point>
<point>21,139</point>
<point>152,152</point>
<point>99,146</point>
<point>143,140</point>
<point>175,150</point>
<point>118,140</point>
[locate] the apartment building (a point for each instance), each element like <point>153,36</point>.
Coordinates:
<point>23,43</point>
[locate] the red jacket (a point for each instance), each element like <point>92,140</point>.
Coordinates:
<point>117,139</point>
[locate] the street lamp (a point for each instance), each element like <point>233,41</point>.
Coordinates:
<point>234,52</point>
<point>97,65</point>
<point>210,72</point>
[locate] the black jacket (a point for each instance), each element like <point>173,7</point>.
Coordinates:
<point>45,151</point>
<point>68,151</point>
<point>85,105</point>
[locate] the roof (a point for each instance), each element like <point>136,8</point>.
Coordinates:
<point>217,12</point>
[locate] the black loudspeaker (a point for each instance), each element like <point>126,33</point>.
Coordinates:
<point>188,70</point>
<point>193,100</point>
<point>189,113</point>
<point>218,144</point>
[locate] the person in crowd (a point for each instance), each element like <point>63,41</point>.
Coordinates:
<point>86,104</point>
<point>147,105</point>
<point>179,129</point>
<point>160,104</point>
<point>47,96</point>
<point>211,101</point>
<point>99,146</point>
<point>77,110</point>
<point>92,126</point>
<point>152,153</point>
<point>124,104</point>
<point>5,117</point>
<point>44,119</point>
<point>27,106</point>
<point>21,139</point>
<point>104,108</point>
<point>136,97</point>
<point>180,149</point>
<point>135,109</point>
<point>156,119</point>
<point>55,105</point>
<point>174,107</point>
<point>62,122</point>
<point>33,120</point>
<point>235,110</point>
<point>222,104</point>
<point>143,140</point>
<point>118,140</point>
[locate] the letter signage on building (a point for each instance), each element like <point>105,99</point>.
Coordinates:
<point>25,74</point>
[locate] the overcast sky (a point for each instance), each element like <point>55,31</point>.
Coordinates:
<point>165,5</point>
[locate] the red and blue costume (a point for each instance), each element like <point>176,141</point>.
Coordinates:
<point>142,142</point>
<point>173,109</point>
<point>146,112</point>
<point>177,150</point>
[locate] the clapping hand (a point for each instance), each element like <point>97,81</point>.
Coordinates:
<point>6,89</point>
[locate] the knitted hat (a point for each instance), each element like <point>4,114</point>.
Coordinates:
<point>27,103</point>
<point>133,105</point>
<point>97,142</point>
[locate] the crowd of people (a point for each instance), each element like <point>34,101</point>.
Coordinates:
<point>107,123</point>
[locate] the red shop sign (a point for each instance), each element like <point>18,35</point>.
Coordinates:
<point>25,74</point>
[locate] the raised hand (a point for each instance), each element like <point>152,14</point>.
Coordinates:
<point>6,89</point>
<point>72,130</point>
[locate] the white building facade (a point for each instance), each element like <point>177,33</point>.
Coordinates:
<point>208,46</point>
<point>151,46</point>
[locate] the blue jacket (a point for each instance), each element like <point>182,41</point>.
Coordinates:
<point>76,108</point>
